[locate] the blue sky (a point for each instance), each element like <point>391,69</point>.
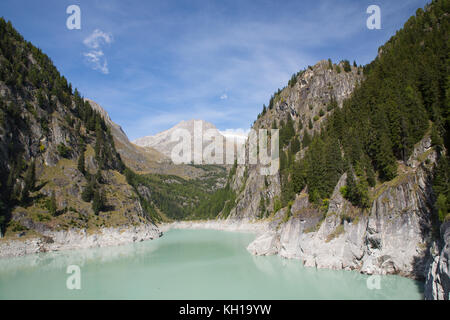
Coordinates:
<point>151,64</point>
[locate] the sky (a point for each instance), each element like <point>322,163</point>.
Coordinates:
<point>151,64</point>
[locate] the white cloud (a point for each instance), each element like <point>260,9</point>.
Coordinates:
<point>97,60</point>
<point>96,39</point>
<point>95,57</point>
<point>239,133</point>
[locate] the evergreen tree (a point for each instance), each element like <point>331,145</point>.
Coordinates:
<point>441,205</point>
<point>51,205</point>
<point>295,145</point>
<point>29,182</point>
<point>306,139</point>
<point>346,65</point>
<point>88,191</point>
<point>98,201</point>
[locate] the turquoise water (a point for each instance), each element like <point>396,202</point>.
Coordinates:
<point>187,264</point>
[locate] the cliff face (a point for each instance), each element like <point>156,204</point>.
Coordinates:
<point>314,90</point>
<point>395,235</point>
<point>383,152</point>
<point>392,237</point>
<point>437,285</point>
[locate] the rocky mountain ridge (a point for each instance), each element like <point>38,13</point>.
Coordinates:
<point>57,156</point>
<point>201,133</point>
<point>315,89</point>
<point>392,222</point>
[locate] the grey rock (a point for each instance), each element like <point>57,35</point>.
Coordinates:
<point>437,284</point>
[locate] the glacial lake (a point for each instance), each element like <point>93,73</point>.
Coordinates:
<point>188,264</point>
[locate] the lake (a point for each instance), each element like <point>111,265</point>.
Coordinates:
<point>188,264</point>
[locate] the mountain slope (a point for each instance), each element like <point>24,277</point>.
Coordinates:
<point>140,159</point>
<point>57,155</point>
<point>166,191</point>
<point>371,175</point>
<point>299,111</point>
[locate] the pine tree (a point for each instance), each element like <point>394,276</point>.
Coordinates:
<point>29,182</point>
<point>346,65</point>
<point>88,191</point>
<point>295,145</point>
<point>306,139</point>
<point>98,202</point>
<point>262,207</point>
<point>441,204</point>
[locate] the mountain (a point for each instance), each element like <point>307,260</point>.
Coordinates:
<point>163,141</point>
<point>140,159</point>
<point>364,178</point>
<point>166,190</point>
<point>60,167</point>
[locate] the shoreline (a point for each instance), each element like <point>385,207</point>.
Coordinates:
<point>256,227</point>
<point>74,239</point>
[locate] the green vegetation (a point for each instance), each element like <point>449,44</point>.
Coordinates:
<point>50,204</point>
<point>405,88</point>
<point>98,201</point>
<point>330,64</point>
<point>346,65</point>
<point>332,105</point>
<point>63,150</point>
<point>38,94</point>
<point>180,199</point>
<point>294,78</point>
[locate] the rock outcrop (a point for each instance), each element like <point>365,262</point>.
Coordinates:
<point>392,237</point>
<point>314,90</point>
<point>437,285</point>
<point>78,239</point>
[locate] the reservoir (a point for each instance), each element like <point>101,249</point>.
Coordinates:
<point>189,264</point>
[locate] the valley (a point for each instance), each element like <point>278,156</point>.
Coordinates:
<point>362,188</point>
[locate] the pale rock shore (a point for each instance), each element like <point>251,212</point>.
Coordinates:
<point>257,227</point>
<point>78,239</point>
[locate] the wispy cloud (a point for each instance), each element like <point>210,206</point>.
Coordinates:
<point>95,57</point>
<point>97,39</point>
<point>216,60</point>
<point>97,60</point>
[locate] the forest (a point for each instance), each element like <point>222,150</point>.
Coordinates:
<point>405,95</point>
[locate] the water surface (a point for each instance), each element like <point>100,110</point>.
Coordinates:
<point>188,264</point>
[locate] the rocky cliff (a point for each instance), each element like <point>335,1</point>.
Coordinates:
<point>387,162</point>
<point>314,90</point>
<point>393,236</point>
<point>437,285</point>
